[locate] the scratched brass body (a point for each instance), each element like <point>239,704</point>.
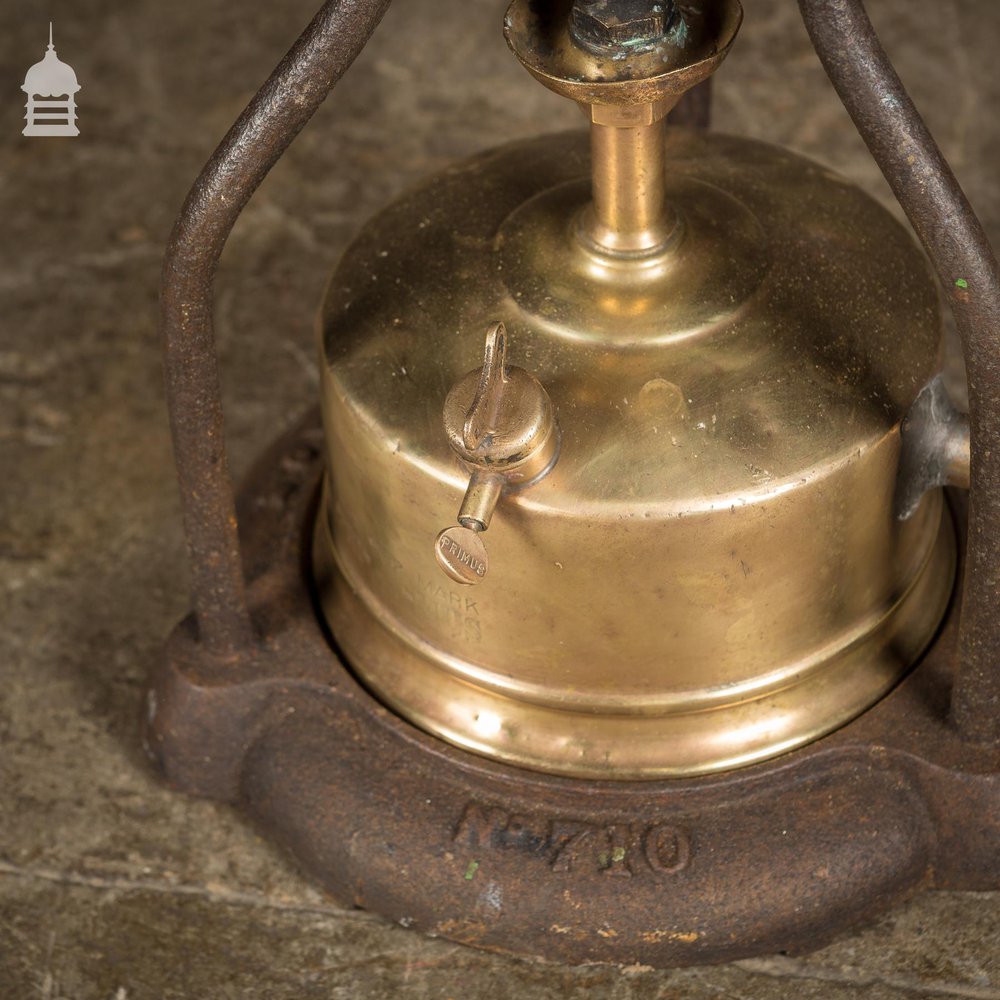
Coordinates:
<point>683,436</point>
<point>711,573</point>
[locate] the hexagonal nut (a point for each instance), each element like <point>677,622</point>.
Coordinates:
<point>604,25</point>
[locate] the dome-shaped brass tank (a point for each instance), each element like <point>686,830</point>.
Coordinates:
<point>708,567</point>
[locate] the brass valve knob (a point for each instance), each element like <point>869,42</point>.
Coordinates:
<point>500,421</point>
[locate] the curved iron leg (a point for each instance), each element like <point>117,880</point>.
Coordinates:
<point>967,268</point>
<point>261,134</point>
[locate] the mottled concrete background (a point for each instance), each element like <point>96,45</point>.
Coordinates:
<point>111,887</point>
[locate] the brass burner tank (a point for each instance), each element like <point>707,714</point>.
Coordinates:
<point>667,371</point>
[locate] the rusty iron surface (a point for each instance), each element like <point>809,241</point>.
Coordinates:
<point>957,246</point>
<point>780,856</point>
<point>252,146</point>
<point>776,857</point>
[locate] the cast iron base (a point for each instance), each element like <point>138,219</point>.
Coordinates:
<point>776,857</point>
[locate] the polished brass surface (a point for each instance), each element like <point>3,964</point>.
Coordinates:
<point>582,293</point>
<point>629,213</point>
<point>461,554</point>
<point>499,421</point>
<point>712,572</point>
<point>480,500</point>
<point>632,90</point>
<point>498,418</point>
<point>627,94</point>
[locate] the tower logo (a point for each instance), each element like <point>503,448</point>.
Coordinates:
<point>51,86</point>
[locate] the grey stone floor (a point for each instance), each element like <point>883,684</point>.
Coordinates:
<point>112,887</point>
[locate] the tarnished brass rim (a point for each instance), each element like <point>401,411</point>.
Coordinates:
<point>594,744</point>
<point>680,702</point>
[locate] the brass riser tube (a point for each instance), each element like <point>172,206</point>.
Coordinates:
<point>630,213</point>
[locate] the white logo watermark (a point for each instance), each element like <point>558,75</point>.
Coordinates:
<point>51,86</point>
